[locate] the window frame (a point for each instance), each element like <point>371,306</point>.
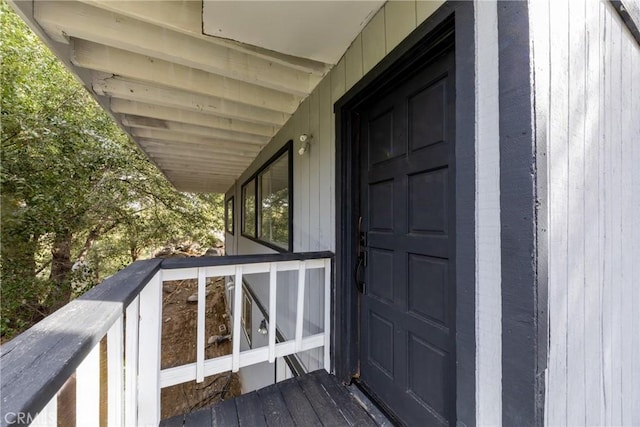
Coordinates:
<point>288,149</point>
<point>231,201</point>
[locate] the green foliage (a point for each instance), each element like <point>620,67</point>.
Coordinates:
<point>74,187</point>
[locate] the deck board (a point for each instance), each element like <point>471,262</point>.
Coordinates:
<point>224,414</point>
<point>198,418</point>
<point>274,407</point>
<point>351,410</point>
<point>299,407</point>
<point>315,399</point>
<point>250,412</point>
<point>327,409</point>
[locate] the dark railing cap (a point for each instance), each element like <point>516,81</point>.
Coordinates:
<point>173,263</point>
<point>37,363</point>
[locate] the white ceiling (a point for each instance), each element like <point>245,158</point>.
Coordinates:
<point>200,107</point>
<point>317,30</point>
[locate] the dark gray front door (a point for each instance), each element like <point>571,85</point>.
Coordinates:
<point>407,203</point>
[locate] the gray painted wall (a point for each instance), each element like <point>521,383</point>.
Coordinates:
<point>313,172</point>
<point>588,95</point>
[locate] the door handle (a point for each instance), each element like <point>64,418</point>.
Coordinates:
<point>361,254</point>
<point>360,285</point>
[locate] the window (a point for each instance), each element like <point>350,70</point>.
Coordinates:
<point>246,314</point>
<point>266,202</point>
<point>249,208</point>
<point>273,182</point>
<point>229,216</point>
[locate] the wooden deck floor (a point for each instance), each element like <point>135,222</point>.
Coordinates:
<point>315,399</point>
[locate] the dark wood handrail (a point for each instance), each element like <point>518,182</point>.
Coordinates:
<point>37,362</point>
<point>173,263</point>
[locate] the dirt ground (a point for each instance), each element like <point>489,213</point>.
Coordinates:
<point>179,320</point>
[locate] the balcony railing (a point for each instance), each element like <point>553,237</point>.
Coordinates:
<point>127,309</point>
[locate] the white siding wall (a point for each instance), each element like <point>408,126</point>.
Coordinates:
<point>488,255</point>
<point>588,94</point>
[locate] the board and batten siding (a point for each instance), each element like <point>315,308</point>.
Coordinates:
<point>587,97</point>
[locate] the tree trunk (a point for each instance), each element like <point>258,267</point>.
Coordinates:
<point>135,253</point>
<point>61,266</point>
<point>91,238</point>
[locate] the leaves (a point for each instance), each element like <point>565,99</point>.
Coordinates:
<point>69,171</point>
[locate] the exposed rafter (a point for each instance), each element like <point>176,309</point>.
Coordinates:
<point>185,16</point>
<point>137,91</point>
<point>142,109</point>
<point>158,125</point>
<point>249,149</point>
<point>198,152</point>
<point>146,69</point>
<point>200,107</point>
<point>63,19</point>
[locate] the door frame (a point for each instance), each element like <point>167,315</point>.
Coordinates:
<point>456,17</point>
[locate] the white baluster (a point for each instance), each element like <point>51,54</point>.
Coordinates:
<point>149,353</point>
<point>273,278</point>
<point>48,417</point>
<point>327,315</point>
<point>202,288</point>
<point>237,314</point>
<point>131,371</point>
<point>115,365</point>
<point>302,275</point>
<point>88,389</point>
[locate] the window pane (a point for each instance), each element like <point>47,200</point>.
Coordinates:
<point>274,203</point>
<point>229,216</point>
<point>249,208</point>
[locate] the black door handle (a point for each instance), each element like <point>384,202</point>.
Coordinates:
<point>359,283</point>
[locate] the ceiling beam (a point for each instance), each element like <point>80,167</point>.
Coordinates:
<point>249,149</point>
<point>205,155</point>
<point>158,72</point>
<point>158,125</point>
<point>142,109</point>
<point>170,157</point>
<point>136,91</point>
<point>185,16</point>
<point>204,175</point>
<point>217,188</point>
<point>62,19</point>
<point>187,166</point>
<point>195,152</point>
<point>187,169</point>
<point>188,145</point>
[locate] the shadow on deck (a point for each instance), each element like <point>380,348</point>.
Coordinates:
<point>314,399</point>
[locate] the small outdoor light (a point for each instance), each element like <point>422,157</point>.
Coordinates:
<point>262,329</point>
<point>305,141</point>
